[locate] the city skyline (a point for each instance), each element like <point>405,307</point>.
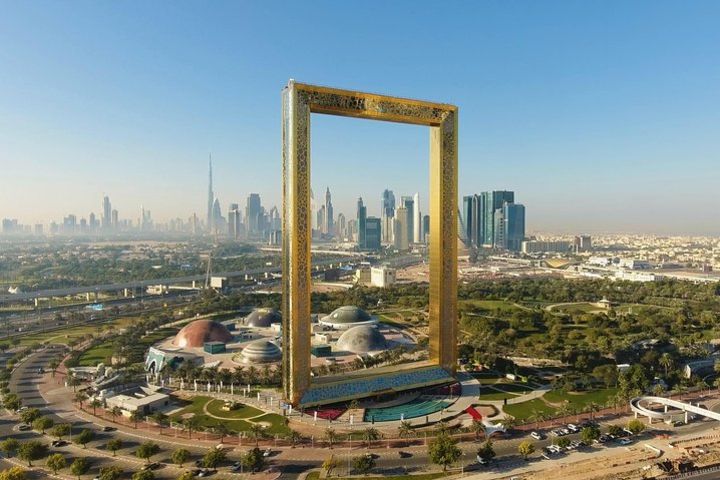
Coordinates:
<point>610,107</point>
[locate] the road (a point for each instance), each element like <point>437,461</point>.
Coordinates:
<point>290,462</point>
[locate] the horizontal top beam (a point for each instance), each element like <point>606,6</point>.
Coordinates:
<point>350,103</point>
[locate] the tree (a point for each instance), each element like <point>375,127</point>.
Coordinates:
<point>11,401</point>
<point>526,448</point>
<point>32,450</point>
<point>114,445</point>
<point>329,465</point>
<point>147,450</point>
<point>478,428</point>
<point>295,437</point>
<point>80,397</point>
<point>180,456</point>
<point>253,460</point>
<point>590,433</point>
<point>330,436</point>
<point>160,419</point>
<point>43,423</point>
<point>80,466</point>
<point>614,430</point>
<point>143,475</point>
<point>222,430</point>
<point>191,424</point>
<point>56,462</point>
<point>486,451</point>
<point>443,450</point>
<point>405,429</point>
<point>110,473</point>
<point>9,446</point>
<point>213,457</point>
<point>666,361</point>
<point>13,473</point>
<point>85,437</point>
<point>135,417</point>
<point>636,426</point>
<point>257,432</point>
<point>562,442</point>
<point>115,412</point>
<point>363,464</point>
<point>28,416</point>
<point>370,435</point>
<point>186,476</point>
<point>60,430</point>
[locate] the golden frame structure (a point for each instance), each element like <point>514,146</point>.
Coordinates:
<point>298,102</point>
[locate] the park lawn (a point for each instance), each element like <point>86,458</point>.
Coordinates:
<point>489,305</point>
<point>97,354</point>
<point>581,399</point>
<point>245,411</point>
<point>64,335</point>
<point>277,423</point>
<point>517,388</point>
<point>493,395</point>
<point>525,410</point>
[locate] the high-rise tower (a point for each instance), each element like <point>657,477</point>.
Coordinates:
<point>210,198</point>
<point>328,220</point>
<point>417,220</point>
<point>106,216</point>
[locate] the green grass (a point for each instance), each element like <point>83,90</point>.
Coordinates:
<point>525,410</point>
<point>513,388</point>
<point>582,399</point>
<point>493,395</point>
<point>215,407</point>
<point>99,353</point>
<point>489,305</point>
<point>196,408</point>
<point>64,335</point>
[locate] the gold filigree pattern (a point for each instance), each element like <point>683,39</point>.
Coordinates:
<point>299,101</point>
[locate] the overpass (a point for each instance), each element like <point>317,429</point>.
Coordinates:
<point>636,405</point>
<point>110,287</point>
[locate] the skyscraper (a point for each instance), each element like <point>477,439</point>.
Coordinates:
<point>417,220</point>
<point>210,198</point>
<point>234,221</point>
<point>387,214</point>
<point>253,214</point>
<point>372,233</point>
<point>361,218</point>
<point>409,204</point>
<point>472,214</point>
<point>328,224</point>
<point>107,213</point>
<point>491,203</point>
<point>114,219</point>
<point>511,222</point>
<point>402,218</point>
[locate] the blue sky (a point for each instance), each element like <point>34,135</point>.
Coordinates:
<point>602,116</point>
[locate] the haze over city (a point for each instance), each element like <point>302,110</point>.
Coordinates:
<point>599,115</point>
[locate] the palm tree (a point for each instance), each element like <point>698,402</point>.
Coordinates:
<point>405,429</point>
<point>370,434</point>
<point>115,412</point>
<point>256,431</point>
<point>294,436</point>
<point>593,408</point>
<point>330,436</point>
<point>160,419</point>
<point>666,362</point>
<point>135,416</point>
<point>192,424</point>
<point>478,428</point>
<point>222,430</point>
<point>94,404</point>
<point>80,397</point>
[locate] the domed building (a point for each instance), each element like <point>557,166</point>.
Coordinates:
<point>346,317</point>
<point>199,332</point>
<point>260,351</point>
<point>361,339</point>
<point>263,318</point>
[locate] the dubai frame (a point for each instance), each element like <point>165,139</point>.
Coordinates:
<point>299,101</point>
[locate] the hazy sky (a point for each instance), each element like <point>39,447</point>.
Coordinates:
<point>602,116</point>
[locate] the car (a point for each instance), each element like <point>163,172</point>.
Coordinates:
<point>267,453</point>
<point>402,454</point>
<point>108,429</point>
<point>573,428</point>
<point>537,435</point>
<point>481,460</point>
<point>205,472</point>
<point>24,427</point>
<point>21,409</point>
<point>151,466</point>
<point>199,463</point>
<point>625,441</point>
<point>235,468</point>
<point>565,431</point>
<point>59,443</point>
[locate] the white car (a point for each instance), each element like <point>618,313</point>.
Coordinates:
<point>537,435</point>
